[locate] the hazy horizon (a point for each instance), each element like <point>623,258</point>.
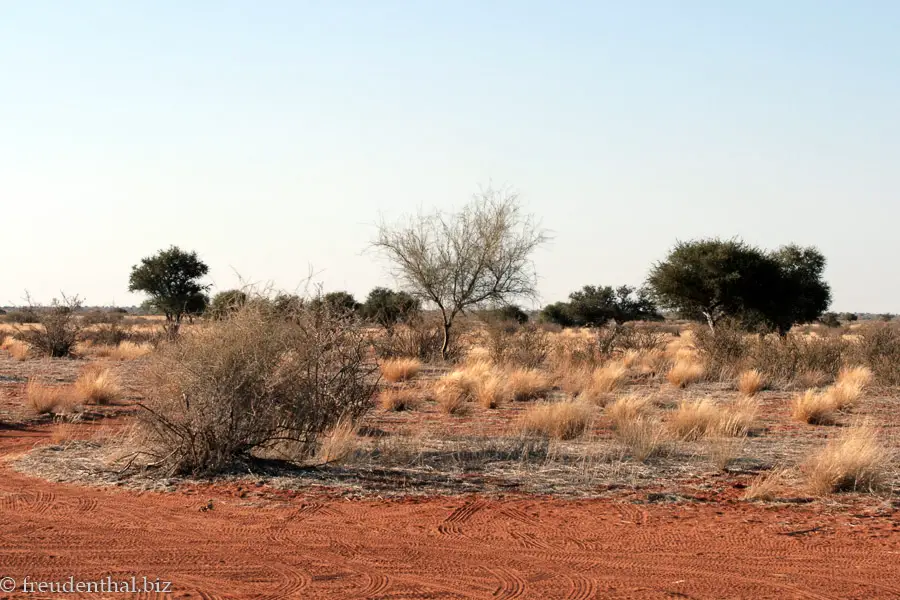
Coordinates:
<point>271,138</point>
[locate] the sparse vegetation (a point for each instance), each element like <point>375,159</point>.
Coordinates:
<point>398,399</point>
<point>98,385</point>
<point>685,372</point>
<point>400,369</point>
<point>49,399</point>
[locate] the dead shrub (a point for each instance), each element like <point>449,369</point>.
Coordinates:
<point>252,381</point>
<point>782,358</point>
<point>751,382</point>
<point>98,385</point>
<point>59,328</point>
<point>878,347</point>
<point>400,369</point>
<point>722,351</point>
<point>521,345</point>
<point>684,373</point>
<point>560,420</point>
<point>49,399</point>
<point>855,461</point>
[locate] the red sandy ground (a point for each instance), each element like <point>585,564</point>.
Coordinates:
<point>259,543</point>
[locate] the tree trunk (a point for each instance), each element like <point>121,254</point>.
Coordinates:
<point>445,347</point>
<point>710,321</point>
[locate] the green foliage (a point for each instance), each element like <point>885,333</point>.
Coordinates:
<point>336,303</point>
<point>171,279</point>
<point>594,306</point>
<point>713,279</point>
<point>225,303</point>
<point>387,307</point>
<point>509,312</point>
<point>830,319</point>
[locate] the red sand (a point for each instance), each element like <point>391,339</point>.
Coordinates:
<point>256,544</point>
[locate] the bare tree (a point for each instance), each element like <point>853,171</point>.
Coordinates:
<point>465,260</point>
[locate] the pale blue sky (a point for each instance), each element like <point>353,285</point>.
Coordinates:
<point>269,136</point>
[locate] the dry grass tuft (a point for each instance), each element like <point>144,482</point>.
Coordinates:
<point>627,409</point>
<point>751,382</point>
<point>489,392</point>
<point>124,351</point>
<point>450,393</point>
<point>685,372</point>
<point>608,378</point>
<point>855,461</point>
<point>812,378</point>
<point>49,400</point>
<point>766,486</point>
<point>704,418</point>
<point>644,436</point>
<point>559,420</point>
<point>338,443</point>
<point>400,369</point>
<point>98,385</point>
<point>859,377</point>
<point>813,407</point>
<point>397,400</point>
<point>526,384</point>
<point>18,349</point>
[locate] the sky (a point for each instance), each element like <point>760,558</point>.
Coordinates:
<point>272,136</point>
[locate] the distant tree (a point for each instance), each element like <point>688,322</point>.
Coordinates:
<point>288,304</point>
<point>337,302</point>
<point>510,312</point>
<point>713,279</point>
<point>559,313</point>
<point>171,279</point>
<point>849,317</point>
<point>196,305</point>
<point>387,307</point>
<point>465,261</point>
<point>225,303</point>
<point>830,319</point>
<point>886,317</point>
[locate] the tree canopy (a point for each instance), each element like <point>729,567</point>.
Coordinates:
<point>712,279</point>
<point>171,278</point>
<point>594,306</point>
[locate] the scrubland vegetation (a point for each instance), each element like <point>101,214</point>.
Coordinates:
<point>455,378</point>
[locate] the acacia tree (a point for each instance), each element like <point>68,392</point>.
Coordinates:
<point>387,307</point>
<point>713,279</point>
<point>466,260</point>
<point>171,279</point>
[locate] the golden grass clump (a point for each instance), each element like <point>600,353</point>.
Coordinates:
<point>124,351</point>
<point>400,369</point>
<point>704,418</point>
<point>814,407</point>
<point>849,387</point>
<point>855,461</point>
<point>450,393</point>
<point>559,420</point>
<point>609,377</point>
<point>685,372</point>
<point>98,385</point>
<point>49,400</point>
<point>653,362</point>
<point>526,384</point>
<point>489,392</point>
<point>751,382</point>
<point>398,399</point>
<point>812,379</point>
<point>627,409</point>
<point>477,354</point>
<point>765,487</point>
<point>859,377</point>
<point>644,436</point>
<point>18,349</point>
<point>338,443</point>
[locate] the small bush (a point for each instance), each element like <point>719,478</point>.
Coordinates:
<point>450,393</point>
<point>59,328</point>
<point>855,461</point>
<point>765,487</point>
<point>400,369</point>
<point>420,338</point>
<point>98,385</point>
<point>250,382</point>
<point>879,348</point>
<point>559,420</point>
<point>684,373</point>
<point>644,436</point>
<point>751,382</point>
<point>490,391</point>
